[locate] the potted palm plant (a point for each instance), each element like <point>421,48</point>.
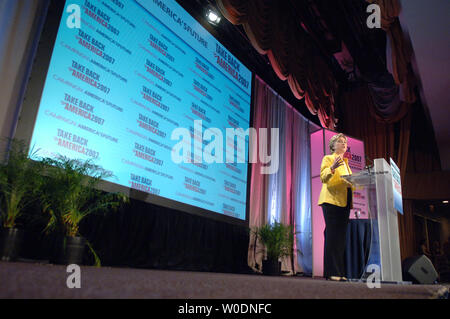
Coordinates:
<point>71,195</point>
<point>20,182</point>
<point>278,240</point>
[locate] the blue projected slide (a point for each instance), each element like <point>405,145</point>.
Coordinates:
<point>124,79</point>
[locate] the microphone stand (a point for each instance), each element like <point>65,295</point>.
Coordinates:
<point>368,167</point>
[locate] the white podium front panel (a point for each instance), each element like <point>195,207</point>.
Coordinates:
<point>385,247</point>
<point>391,269</point>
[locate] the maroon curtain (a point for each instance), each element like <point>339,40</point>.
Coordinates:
<point>293,38</point>
<point>401,55</point>
<point>382,140</point>
<point>274,30</point>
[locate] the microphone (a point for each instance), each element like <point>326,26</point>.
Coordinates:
<point>370,161</point>
<point>368,166</point>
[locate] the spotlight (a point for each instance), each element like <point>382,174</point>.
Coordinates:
<point>213,17</point>
<point>445,201</point>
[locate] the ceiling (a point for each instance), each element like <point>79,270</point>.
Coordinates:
<point>428,26</point>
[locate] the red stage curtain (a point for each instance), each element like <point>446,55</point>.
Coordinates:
<point>401,50</point>
<point>274,30</point>
<point>382,140</point>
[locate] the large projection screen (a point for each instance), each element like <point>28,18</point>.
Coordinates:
<point>143,90</point>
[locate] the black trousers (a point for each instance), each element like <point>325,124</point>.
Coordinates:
<point>336,224</point>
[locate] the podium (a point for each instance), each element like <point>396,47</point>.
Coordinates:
<point>384,245</point>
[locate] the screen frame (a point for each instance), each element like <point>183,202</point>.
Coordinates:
<point>33,94</point>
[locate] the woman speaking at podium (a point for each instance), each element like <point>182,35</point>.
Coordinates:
<point>336,201</point>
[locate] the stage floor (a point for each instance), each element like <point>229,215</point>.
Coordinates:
<point>25,280</point>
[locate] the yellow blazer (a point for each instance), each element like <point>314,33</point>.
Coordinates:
<point>334,188</point>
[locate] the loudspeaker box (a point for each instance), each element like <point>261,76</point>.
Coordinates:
<point>419,270</point>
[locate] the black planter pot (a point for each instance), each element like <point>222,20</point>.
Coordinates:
<point>271,267</point>
<point>69,250</point>
<point>10,243</point>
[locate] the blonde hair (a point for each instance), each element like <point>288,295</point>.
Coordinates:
<point>333,141</point>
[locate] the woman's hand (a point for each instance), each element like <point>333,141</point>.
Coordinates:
<point>337,162</point>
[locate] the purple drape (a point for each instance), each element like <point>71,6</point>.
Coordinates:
<point>283,196</point>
